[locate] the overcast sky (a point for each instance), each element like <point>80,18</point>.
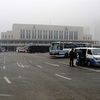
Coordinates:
<point>54,12</point>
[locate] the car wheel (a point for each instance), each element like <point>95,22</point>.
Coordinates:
<point>88,63</point>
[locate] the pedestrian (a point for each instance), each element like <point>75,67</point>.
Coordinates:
<point>71,54</point>
<point>80,53</point>
<point>75,57</point>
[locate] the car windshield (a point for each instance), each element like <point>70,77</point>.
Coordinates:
<point>96,51</point>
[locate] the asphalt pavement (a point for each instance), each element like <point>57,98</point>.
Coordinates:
<point>38,76</point>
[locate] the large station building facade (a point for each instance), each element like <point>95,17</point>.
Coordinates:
<point>45,33</point>
<point>22,34</point>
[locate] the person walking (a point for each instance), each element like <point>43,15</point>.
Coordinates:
<point>71,54</point>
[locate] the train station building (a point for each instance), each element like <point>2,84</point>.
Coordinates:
<point>22,34</point>
<point>46,32</point>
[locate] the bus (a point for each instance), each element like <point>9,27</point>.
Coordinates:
<point>37,48</point>
<point>62,49</point>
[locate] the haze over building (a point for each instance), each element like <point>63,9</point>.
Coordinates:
<point>81,13</point>
<point>97,30</point>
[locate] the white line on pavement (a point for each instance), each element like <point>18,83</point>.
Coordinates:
<point>39,66</point>
<point>18,64</point>
<point>7,80</point>
<point>63,77</point>
<point>21,65</point>
<point>5,95</point>
<point>52,64</point>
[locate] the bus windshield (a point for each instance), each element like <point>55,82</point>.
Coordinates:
<point>55,46</point>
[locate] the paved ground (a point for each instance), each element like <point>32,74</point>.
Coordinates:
<point>40,77</point>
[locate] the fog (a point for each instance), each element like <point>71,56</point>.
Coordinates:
<point>85,13</point>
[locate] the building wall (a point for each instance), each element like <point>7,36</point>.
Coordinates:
<point>19,29</point>
<point>7,35</point>
<point>45,32</point>
<point>87,37</point>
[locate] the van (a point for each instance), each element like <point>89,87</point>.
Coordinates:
<point>91,56</point>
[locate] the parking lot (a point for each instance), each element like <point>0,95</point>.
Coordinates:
<point>37,76</point>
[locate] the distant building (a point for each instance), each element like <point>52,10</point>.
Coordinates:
<point>45,33</point>
<point>97,30</point>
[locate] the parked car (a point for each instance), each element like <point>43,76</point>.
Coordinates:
<point>21,50</point>
<point>91,56</point>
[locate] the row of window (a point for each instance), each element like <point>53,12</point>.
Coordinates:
<point>48,34</point>
<point>7,36</point>
<point>87,38</point>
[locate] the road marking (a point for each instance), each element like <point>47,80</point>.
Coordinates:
<point>7,80</point>
<point>39,66</point>
<point>18,64</point>
<point>52,64</point>
<point>21,65</point>
<point>4,67</point>
<point>5,95</point>
<point>63,77</point>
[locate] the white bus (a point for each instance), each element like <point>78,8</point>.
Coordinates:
<point>62,49</point>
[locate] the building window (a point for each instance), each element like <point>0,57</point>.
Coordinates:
<point>75,35</point>
<point>60,34</point>
<point>44,34</point>
<point>3,36</point>
<point>71,35</point>
<point>39,34</point>
<point>9,36</point>
<point>55,34</point>
<point>21,34</point>
<point>12,36</point>
<point>65,34</point>
<point>26,34</point>
<point>50,34</point>
<point>33,34</point>
<point>29,34</point>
